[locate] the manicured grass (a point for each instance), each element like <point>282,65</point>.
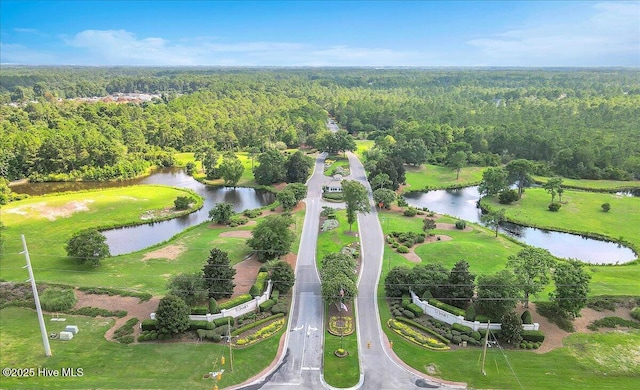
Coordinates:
<point>341,372</point>
<point>581,213</point>
<point>429,176</point>
<point>587,361</point>
<point>597,185</point>
<point>333,240</point>
<point>47,237</point>
<point>108,364</point>
<point>337,161</point>
<point>480,248</point>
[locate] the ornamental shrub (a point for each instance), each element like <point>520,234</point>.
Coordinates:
<point>213,306</point>
<point>461,328</point>
<point>149,325</point>
<point>533,335</point>
<point>278,308</point>
<point>460,224</point>
<point>470,313</point>
<point>409,314</point>
<point>606,207</point>
<point>410,212</point>
<point>199,310</point>
<point>239,300</point>
<point>267,305</point>
<point>526,317</point>
<point>198,324</point>
<point>507,196</point>
<point>402,249</point>
<point>415,309</point>
<point>451,309</point>
<point>635,313</point>
<point>555,206</point>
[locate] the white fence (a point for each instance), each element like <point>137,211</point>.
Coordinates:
<point>235,311</point>
<point>449,318</point>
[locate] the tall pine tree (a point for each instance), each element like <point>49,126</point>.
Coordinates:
<point>218,274</point>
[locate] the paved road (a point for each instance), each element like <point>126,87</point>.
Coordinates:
<point>301,365</point>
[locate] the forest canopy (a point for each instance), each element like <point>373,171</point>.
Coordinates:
<point>580,123</point>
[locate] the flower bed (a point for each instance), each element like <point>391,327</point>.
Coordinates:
<point>340,326</point>
<point>416,336</point>
<point>260,334</point>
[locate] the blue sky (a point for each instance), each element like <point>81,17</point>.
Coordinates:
<point>320,33</point>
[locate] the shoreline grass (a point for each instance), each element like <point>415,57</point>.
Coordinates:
<point>430,177</point>
<point>594,185</point>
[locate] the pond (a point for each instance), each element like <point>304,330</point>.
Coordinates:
<point>462,204</point>
<point>135,238</point>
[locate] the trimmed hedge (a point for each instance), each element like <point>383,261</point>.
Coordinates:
<point>526,317</point>
<point>149,325</point>
<point>91,311</point>
<point>461,328</point>
<point>275,294</point>
<point>252,325</point>
<point>280,307</point>
<point>213,306</point>
<point>415,309</point>
<point>239,300</point>
<point>199,324</point>
<point>267,305</point>
<point>112,291</point>
<point>209,335</point>
<point>448,308</point>
<point>222,321</point>
<point>261,281</point>
<point>536,336</point>
<point>199,310</point>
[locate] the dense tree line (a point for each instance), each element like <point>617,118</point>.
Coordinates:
<point>575,123</point>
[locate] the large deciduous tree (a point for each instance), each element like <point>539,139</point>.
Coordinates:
<point>431,277</point>
<point>457,161</point>
<point>287,199</point>
<point>338,277</point>
<point>356,199</point>
<point>231,169</point>
<point>88,247</point>
<point>552,186</point>
<point>218,274</point>
<point>272,237</point>
<point>384,197</point>
<point>221,213</point>
<point>493,219</point>
<point>282,276</point>
<point>172,315</point>
<point>398,281</point>
<point>531,269</point>
<point>189,287</point>
<point>572,287</point>
<point>415,152</point>
<point>494,180</point>
<point>270,168</point>
<point>297,167</point>
<point>209,156</point>
<point>497,294</point>
<point>520,173</point>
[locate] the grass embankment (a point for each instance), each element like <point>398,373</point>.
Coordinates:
<point>110,365</point>
<point>429,177</point>
<point>581,214</point>
<point>594,185</point>
<point>590,361</point>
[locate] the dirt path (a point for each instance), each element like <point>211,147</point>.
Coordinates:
<point>133,306</point>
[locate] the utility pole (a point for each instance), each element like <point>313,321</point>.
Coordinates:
<point>43,329</point>
<point>484,349</point>
<point>229,339</point>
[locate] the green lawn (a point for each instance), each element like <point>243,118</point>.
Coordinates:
<point>333,240</point>
<point>110,365</point>
<point>581,213</point>
<point>587,361</point>
<point>246,180</point>
<point>598,185</point>
<point>336,161</point>
<point>429,176</point>
<point>133,271</point>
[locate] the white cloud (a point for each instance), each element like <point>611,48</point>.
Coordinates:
<point>120,47</point>
<point>611,36</point>
<point>21,55</point>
